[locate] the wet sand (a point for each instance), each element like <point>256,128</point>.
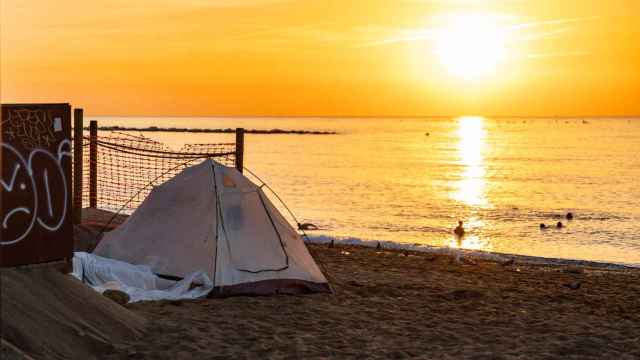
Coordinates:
<point>390,304</point>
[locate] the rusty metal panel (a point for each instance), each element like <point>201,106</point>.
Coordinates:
<point>35,184</point>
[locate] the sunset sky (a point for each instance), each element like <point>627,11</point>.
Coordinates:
<point>332,58</point>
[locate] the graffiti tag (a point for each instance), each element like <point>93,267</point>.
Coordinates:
<point>38,193</point>
<point>31,128</point>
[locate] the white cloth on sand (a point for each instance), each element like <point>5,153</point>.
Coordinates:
<point>138,281</point>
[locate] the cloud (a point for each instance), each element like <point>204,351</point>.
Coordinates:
<point>203,3</point>
<point>402,36</point>
<point>542,23</point>
<point>242,3</point>
<point>557,54</point>
<point>518,32</point>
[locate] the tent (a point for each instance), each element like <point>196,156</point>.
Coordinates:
<point>211,218</point>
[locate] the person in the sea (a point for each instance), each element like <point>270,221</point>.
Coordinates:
<point>543,226</point>
<point>559,225</point>
<point>569,216</point>
<point>459,230</point>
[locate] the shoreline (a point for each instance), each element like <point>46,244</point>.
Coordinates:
<point>471,253</point>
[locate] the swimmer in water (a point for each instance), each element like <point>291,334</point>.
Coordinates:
<point>559,225</point>
<point>459,230</point>
<point>569,216</point>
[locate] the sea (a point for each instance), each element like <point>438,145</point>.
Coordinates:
<point>408,181</point>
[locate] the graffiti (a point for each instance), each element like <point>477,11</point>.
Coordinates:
<point>34,202</point>
<point>31,128</point>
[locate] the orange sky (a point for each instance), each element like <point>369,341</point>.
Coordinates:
<point>279,57</point>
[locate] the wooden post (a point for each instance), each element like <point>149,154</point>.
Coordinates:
<point>93,164</point>
<point>77,165</point>
<point>239,148</point>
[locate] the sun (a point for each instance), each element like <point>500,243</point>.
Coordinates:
<point>470,46</point>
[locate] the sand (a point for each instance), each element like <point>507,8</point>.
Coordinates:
<point>48,315</point>
<point>388,305</point>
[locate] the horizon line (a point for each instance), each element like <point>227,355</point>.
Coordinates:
<point>374,116</point>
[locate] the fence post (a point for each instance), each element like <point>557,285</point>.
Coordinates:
<point>239,148</point>
<point>93,164</point>
<point>77,165</point>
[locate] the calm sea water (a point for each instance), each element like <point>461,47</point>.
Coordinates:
<point>410,180</point>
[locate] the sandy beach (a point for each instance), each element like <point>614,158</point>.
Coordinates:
<point>390,304</point>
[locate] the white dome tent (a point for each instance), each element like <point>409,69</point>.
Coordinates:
<point>211,218</point>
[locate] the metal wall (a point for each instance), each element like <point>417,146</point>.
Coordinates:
<point>35,184</point>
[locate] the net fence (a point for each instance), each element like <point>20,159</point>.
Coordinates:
<point>128,166</point>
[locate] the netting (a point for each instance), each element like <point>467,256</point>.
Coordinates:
<point>128,166</point>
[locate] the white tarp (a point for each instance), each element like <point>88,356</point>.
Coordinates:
<point>138,281</point>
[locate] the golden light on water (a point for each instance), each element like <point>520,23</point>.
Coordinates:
<point>471,241</point>
<point>470,189</point>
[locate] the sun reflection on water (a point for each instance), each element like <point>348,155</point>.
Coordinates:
<point>471,186</point>
<point>471,242</point>
<point>470,189</point>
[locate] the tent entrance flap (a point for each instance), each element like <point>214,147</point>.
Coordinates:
<point>252,239</point>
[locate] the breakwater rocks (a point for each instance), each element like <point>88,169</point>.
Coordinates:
<point>227,130</point>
